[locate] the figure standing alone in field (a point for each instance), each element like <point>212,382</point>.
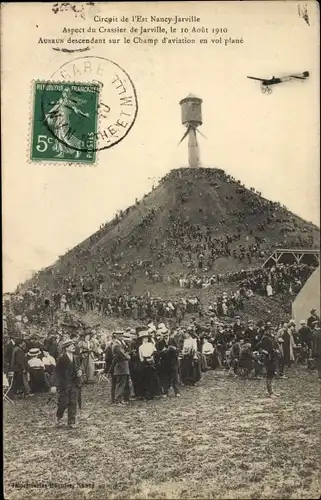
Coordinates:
<point>69,374</point>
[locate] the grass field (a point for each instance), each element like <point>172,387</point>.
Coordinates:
<point>222,439</point>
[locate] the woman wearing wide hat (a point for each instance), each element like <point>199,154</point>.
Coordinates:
<point>149,377</point>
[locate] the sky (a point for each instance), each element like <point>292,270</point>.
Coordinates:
<point>270,142</point>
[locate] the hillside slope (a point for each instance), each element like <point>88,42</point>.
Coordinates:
<point>195,222</point>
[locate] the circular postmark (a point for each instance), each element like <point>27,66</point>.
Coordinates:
<point>89,104</point>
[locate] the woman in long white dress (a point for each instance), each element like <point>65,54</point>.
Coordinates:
<point>58,121</point>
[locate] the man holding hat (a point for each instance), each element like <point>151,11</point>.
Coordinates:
<point>69,374</point>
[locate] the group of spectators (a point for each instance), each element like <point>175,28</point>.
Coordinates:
<point>31,360</point>
<point>41,305</point>
<point>135,307</point>
<point>166,237</point>
<point>144,363</point>
<point>281,278</point>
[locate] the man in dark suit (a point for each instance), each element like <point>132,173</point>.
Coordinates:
<point>305,334</point>
<point>120,369</point>
<point>167,362</point>
<point>250,334</point>
<point>8,350</point>
<point>19,370</point>
<point>316,349</point>
<point>109,366</point>
<point>269,348</point>
<point>69,379</point>
<point>312,318</point>
<point>238,329</point>
<point>51,345</point>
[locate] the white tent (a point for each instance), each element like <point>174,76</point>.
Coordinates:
<point>307,299</point>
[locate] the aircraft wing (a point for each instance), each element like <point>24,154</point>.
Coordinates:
<point>254,78</point>
<point>299,77</point>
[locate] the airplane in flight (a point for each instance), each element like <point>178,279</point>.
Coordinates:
<point>267,83</point>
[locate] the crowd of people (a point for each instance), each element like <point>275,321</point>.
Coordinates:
<point>176,247</point>
<point>166,236</point>
<point>34,305</point>
<point>281,278</point>
<point>144,363</point>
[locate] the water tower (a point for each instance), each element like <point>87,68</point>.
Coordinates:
<point>191,108</point>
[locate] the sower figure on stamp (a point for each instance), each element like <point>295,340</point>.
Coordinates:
<point>69,379</point>
<point>58,119</point>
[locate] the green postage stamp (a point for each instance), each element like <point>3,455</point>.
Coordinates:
<point>65,121</point>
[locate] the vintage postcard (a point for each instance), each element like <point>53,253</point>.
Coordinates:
<point>161,250</point>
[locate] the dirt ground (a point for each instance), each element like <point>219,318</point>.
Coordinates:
<point>222,439</point>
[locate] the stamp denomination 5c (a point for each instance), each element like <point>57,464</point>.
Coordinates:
<point>65,121</point>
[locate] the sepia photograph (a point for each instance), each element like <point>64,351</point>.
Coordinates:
<point>161,250</point>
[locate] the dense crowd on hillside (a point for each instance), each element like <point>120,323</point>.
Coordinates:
<point>164,236</point>
<point>282,278</point>
<point>144,363</point>
<point>41,304</point>
<point>33,304</point>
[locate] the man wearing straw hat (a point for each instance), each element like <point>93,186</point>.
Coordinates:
<point>69,374</point>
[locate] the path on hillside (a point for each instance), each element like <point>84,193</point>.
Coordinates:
<point>221,439</point>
